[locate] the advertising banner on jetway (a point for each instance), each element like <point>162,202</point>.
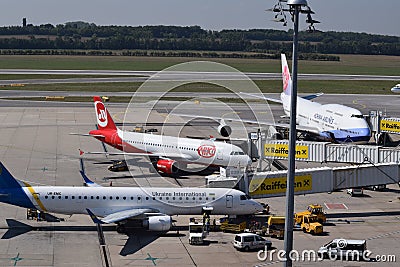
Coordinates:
<point>282,150</point>
<point>390,125</point>
<point>269,184</point>
<point>305,150</point>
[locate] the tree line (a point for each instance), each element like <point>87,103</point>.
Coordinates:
<point>88,36</point>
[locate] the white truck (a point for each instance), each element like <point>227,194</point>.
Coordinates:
<point>197,233</point>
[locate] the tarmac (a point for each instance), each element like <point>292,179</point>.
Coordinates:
<point>36,146</point>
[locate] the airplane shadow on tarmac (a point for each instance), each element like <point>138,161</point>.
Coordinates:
<point>140,239</point>
<point>136,239</point>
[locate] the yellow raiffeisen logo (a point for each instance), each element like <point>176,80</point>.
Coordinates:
<point>390,126</point>
<point>269,186</point>
<point>282,150</point>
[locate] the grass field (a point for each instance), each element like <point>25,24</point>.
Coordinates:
<point>267,86</point>
<point>349,64</point>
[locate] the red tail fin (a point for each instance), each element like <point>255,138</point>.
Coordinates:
<point>104,120</point>
<point>287,81</point>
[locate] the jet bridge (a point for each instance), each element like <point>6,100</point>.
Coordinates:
<point>327,152</point>
<point>318,180</point>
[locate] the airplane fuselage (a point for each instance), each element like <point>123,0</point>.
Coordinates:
<point>204,152</point>
<point>396,88</point>
<point>103,201</point>
<point>346,124</point>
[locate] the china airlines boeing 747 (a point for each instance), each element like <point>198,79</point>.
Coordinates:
<point>330,122</point>
<point>327,122</point>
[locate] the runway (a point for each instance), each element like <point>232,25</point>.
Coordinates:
<point>142,76</point>
<point>386,103</point>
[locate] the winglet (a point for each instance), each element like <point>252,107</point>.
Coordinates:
<point>88,182</point>
<point>94,217</point>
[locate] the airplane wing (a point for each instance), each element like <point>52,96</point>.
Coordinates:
<point>308,97</point>
<point>88,182</point>
<point>92,135</point>
<point>176,156</point>
<point>269,123</point>
<point>263,97</point>
<point>120,215</point>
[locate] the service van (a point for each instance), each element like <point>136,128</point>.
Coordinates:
<point>345,249</point>
<point>250,241</point>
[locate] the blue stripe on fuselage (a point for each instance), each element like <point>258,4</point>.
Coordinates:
<point>350,135</point>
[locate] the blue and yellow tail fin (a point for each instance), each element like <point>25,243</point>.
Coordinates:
<point>6,179</point>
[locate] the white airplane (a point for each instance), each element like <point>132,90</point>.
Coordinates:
<point>330,122</point>
<point>147,207</point>
<point>168,154</point>
<point>396,88</point>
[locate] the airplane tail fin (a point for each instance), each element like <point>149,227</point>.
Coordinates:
<point>6,179</point>
<point>287,80</point>
<point>103,117</point>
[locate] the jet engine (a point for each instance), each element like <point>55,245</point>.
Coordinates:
<point>158,223</point>
<point>167,166</point>
<point>224,130</point>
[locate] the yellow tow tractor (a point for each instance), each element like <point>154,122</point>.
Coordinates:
<point>309,224</point>
<point>312,209</point>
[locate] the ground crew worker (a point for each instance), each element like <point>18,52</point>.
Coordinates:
<point>208,224</point>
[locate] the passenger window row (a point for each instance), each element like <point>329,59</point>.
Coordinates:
<point>160,145</point>
<point>123,198</point>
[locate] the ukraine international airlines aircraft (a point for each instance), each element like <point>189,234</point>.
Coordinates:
<point>149,207</point>
<point>167,153</point>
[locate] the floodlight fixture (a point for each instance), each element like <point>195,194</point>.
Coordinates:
<point>290,6</point>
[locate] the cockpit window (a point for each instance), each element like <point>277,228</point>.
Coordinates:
<point>244,197</point>
<point>360,116</point>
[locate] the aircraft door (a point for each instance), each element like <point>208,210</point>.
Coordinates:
<point>229,201</point>
<point>139,199</point>
<point>220,155</point>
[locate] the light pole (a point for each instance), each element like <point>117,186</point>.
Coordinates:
<point>295,8</point>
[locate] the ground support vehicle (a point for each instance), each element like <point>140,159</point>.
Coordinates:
<point>312,209</point>
<point>310,224</point>
<point>197,233</point>
<point>250,241</point>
